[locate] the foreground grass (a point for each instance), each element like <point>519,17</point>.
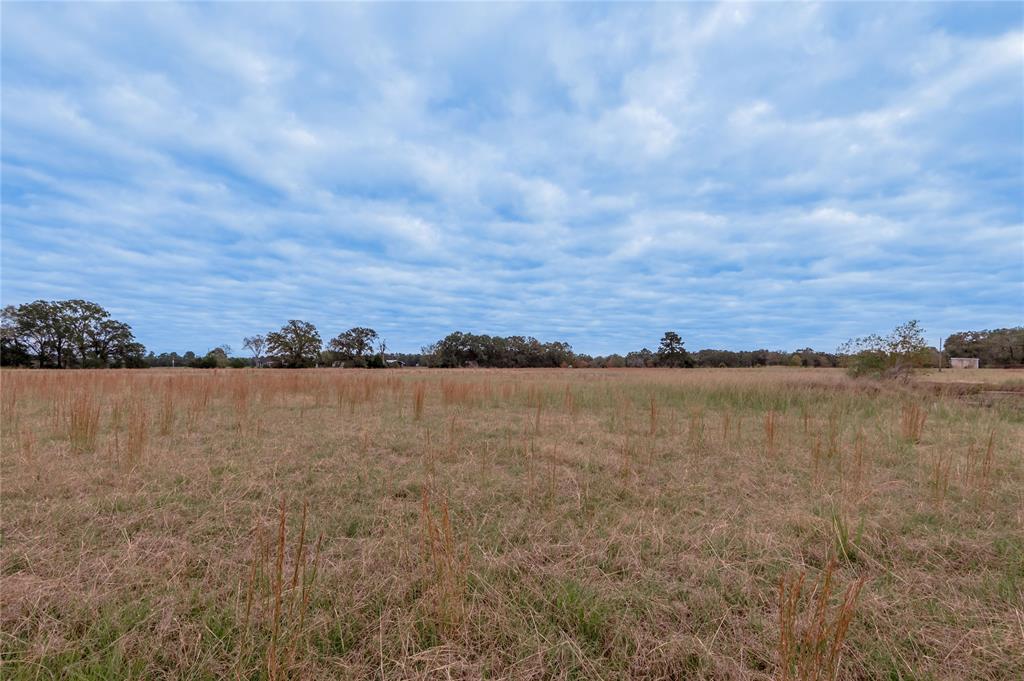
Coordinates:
<point>506,524</point>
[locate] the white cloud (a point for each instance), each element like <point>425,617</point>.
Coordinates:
<point>598,173</point>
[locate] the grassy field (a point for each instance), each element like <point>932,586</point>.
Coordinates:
<point>570,524</point>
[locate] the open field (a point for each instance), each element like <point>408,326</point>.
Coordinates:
<point>605,524</point>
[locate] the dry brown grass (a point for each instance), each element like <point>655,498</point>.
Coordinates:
<point>810,645</point>
<point>533,524</point>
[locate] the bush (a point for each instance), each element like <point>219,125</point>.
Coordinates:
<point>892,356</point>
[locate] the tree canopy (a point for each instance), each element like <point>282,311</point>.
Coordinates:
<point>297,344</point>
<point>355,345</point>
<point>66,334</point>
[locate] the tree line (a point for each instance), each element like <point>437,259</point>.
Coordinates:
<point>69,334</point>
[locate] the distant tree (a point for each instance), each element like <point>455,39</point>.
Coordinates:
<point>355,345</point>
<point>297,344</point>
<point>893,356</point>
<point>209,361</point>
<point>256,345</point>
<point>13,351</point>
<point>640,358</point>
<point>671,352</point>
<point>615,361</point>
<point>221,356</point>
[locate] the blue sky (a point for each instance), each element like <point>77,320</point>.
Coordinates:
<point>766,175</point>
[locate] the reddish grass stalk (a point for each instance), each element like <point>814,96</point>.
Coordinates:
<point>811,634</point>
<point>83,421</point>
<point>770,426</point>
<point>912,418</point>
<point>418,396</point>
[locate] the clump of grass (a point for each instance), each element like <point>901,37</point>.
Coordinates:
<point>445,567</point>
<point>939,477</point>
<point>770,427</point>
<point>846,542</point>
<point>912,419</point>
<point>83,421</point>
<point>276,604</point>
<point>811,630</point>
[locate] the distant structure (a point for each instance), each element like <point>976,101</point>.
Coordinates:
<point>963,362</point>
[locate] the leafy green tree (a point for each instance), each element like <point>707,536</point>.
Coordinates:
<point>355,345</point>
<point>297,344</point>
<point>68,333</point>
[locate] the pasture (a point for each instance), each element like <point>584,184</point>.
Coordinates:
<point>528,524</point>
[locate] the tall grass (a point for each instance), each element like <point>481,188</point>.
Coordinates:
<point>83,421</point>
<point>418,398</point>
<point>445,566</point>
<point>276,604</point>
<point>811,629</point>
<point>912,420</point>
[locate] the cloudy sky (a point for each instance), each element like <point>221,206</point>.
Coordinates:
<point>761,175</point>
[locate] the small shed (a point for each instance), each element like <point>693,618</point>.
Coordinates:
<point>963,362</point>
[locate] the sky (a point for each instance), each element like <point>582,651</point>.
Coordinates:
<point>764,175</point>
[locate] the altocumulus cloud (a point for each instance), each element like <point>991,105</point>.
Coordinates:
<point>765,175</point>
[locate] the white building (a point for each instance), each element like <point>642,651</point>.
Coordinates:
<point>963,362</point>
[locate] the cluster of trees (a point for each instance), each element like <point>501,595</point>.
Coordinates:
<point>64,334</point>
<point>298,344</point>
<point>995,348</point>
<point>459,349</point>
